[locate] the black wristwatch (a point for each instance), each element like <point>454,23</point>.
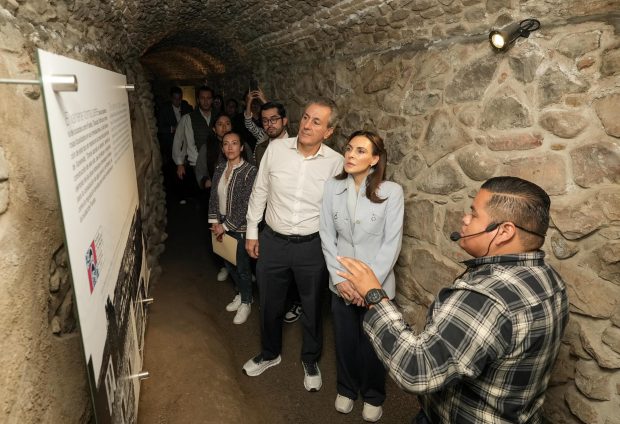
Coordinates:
<point>374,296</point>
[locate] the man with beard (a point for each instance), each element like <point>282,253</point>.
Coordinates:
<point>274,121</point>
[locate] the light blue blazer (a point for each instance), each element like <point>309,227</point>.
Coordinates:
<point>374,235</point>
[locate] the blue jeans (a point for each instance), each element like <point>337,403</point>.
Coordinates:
<point>242,273</point>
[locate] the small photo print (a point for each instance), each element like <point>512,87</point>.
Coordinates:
<point>92,266</point>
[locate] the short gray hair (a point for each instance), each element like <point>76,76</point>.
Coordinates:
<point>333,116</point>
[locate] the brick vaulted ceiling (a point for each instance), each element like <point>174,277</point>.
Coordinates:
<point>189,39</point>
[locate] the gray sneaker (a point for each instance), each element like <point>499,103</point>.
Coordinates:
<point>258,365</point>
<point>312,376</point>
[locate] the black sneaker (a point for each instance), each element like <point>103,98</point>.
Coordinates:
<point>312,376</point>
<point>293,314</point>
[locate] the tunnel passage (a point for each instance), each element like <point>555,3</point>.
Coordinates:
<point>420,72</point>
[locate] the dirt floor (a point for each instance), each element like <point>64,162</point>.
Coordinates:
<point>194,353</point>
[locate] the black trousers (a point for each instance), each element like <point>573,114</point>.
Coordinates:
<point>279,262</point>
<point>357,367</point>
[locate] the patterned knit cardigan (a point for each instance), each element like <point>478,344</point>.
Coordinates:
<point>237,197</point>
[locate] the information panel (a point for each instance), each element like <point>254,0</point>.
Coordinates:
<point>90,136</point>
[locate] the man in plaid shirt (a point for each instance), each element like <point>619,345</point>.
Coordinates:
<point>490,340</point>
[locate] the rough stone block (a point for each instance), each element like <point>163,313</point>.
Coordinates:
<point>443,137</point>
<point>381,80</point>
<point>419,102</point>
<point>592,381</point>
<point>605,260</point>
<point>399,15</point>
<point>555,83</point>
<point>609,201</point>
<point>611,62</point>
<point>4,196</point>
<point>596,163</point>
<point>400,142</point>
<point>564,367</point>
<point>54,283</point>
<point>555,408</point>
<point>420,220</point>
<point>547,170</point>
<point>413,165</point>
<point>419,5</point>
<point>589,295</point>
<point>607,110</point>
<point>470,82</point>
<point>563,249</point>
<point>497,5</point>
<point>4,166</point>
<point>431,13</point>
<point>585,62</point>
<point>477,164</point>
<point>591,338</point>
<point>428,65</point>
<point>611,337</point>
<point>475,14</point>
<point>575,45</point>
<point>563,123</point>
<point>504,112</point>
<point>525,64</point>
<point>572,338</point>
<point>580,214</point>
<point>442,179</point>
<point>582,407</point>
<point>432,272</point>
<point>515,141</point>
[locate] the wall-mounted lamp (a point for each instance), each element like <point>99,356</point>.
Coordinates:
<point>501,39</point>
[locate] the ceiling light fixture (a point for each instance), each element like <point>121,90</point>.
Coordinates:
<point>503,38</point>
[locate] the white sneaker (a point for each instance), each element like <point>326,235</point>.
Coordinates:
<point>343,404</point>
<point>312,376</point>
<point>223,274</point>
<point>257,365</point>
<point>372,413</point>
<point>234,305</point>
<point>242,313</point>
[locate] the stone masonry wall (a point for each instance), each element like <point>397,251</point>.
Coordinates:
<point>454,115</point>
<point>42,369</point>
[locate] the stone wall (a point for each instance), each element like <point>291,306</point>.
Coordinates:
<point>42,370</point>
<point>456,113</point>
<point>419,71</point>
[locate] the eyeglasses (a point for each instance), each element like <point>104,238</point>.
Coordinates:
<point>273,120</point>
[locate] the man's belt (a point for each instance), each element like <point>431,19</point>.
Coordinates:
<point>292,238</point>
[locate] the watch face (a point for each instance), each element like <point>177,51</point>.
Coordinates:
<point>374,296</point>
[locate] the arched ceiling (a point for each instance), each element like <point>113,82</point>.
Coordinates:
<point>185,39</point>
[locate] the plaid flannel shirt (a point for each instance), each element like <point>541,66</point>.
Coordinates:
<point>489,344</point>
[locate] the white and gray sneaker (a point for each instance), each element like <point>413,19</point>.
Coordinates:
<point>242,313</point>
<point>222,275</point>
<point>258,365</point>
<point>234,305</point>
<point>312,376</point>
<point>372,413</point>
<point>343,404</point>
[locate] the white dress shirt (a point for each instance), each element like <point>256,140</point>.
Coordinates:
<point>290,187</point>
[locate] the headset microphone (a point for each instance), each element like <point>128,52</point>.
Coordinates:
<point>455,236</point>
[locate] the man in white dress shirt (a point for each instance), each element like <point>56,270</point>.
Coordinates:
<point>289,189</point>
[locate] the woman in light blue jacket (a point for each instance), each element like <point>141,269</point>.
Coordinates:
<point>361,217</point>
